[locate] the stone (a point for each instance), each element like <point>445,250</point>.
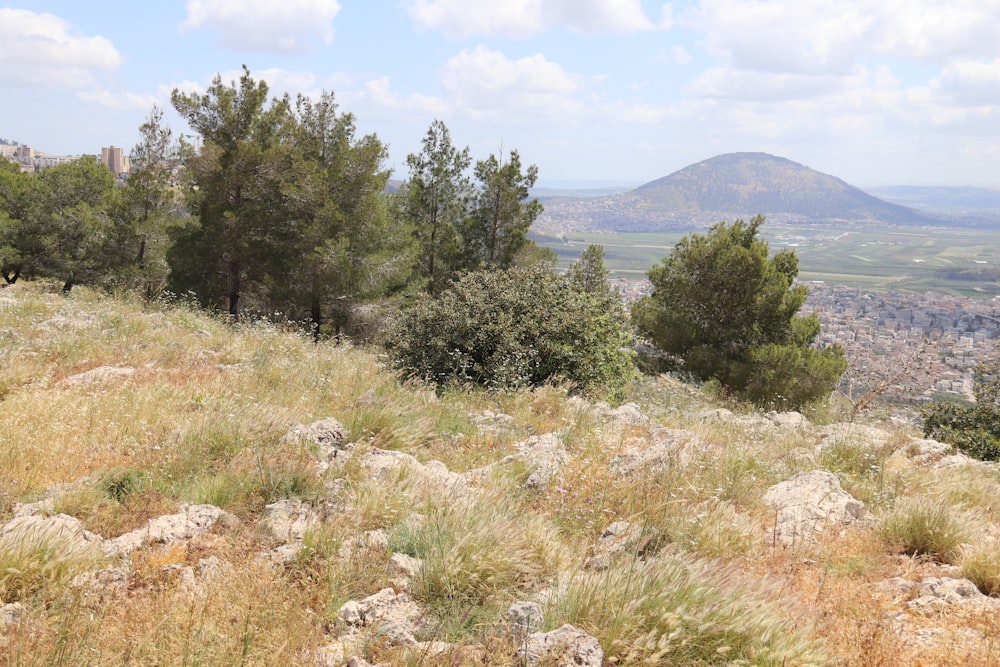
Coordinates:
<point>288,520</point>
<point>62,527</point>
<point>938,592</point>
<point>667,448</point>
<point>403,565</point>
<point>809,501</point>
<point>99,375</point>
<point>566,646</point>
<point>789,420</point>
<point>545,455</point>
<point>192,520</point>
<point>524,617</point>
<point>327,435</point>
<point>10,615</point>
<point>615,540</point>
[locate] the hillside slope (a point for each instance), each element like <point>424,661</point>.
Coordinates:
<point>182,490</point>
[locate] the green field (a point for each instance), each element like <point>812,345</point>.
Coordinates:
<point>960,261</point>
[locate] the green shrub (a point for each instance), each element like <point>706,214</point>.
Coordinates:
<point>521,327</point>
<point>975,429</point>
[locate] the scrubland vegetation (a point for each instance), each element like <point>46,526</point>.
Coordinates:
<point>117,411</point>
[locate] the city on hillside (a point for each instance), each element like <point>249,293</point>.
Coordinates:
<point>30,159</point>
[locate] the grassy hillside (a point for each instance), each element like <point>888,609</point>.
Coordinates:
<point>645,526</point>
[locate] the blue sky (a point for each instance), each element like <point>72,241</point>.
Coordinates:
<point>876,92</point>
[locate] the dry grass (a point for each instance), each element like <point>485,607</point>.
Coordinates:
<point>200,419</point>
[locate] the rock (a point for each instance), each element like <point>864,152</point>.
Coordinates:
<point>403,565</point>
<point>807,502</point>
<point>564,647</point>
<point>386,465</point>
<point>935,593</point>
<point>615,540</point>
<point>327,435</point>
<point>666,450</point>
<point>545,455</point>
<point>853,434</point>
<point>100,375</point>
<point>288,520</point>
<point>61,527</point>
<point>628,414</point>
<point>789,420</point>
<point>488,421</point>
<point>382,606</point>
<point>524,617</point>
<point>192,520</point>
<point>10,615</point>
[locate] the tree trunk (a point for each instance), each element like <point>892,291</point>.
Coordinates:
<point>11,276</point>
<point>315,317</point>
<point>70,281</point>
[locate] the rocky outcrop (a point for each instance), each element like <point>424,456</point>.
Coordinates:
<point>808,502</point>
<point>328,436</point>
<point>669,447</point>
<point>618,538</point>
<point>543,455</point>
<point>566,646</point>
<point>192,520</point>
<point>99,375</point>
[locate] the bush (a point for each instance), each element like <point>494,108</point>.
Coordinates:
<point>975,429</point>
<point>521,327</point>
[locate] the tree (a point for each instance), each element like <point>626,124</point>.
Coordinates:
<point>975,429</point>
<point>55,224</point>
<point>501,214</point>
<point>435,198</point>
<point>520,327</point>
<point>149,205</point>
<point>238,176</point>
<point>344,247</point>
<point>588,273</point>
<point>721,309</point>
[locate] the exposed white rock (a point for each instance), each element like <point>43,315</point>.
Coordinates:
<point>809,501</point>
<point>615,539</point>
<point>669,446</point>
<point>192,520</point>
<point>60,527</point>
<point>99,375</point>
<point>524,618</point>
<point>789,420</point>
<point>327,435</point>
<point>564,647</point>
<point>937,592</point>
<point>288,520</point>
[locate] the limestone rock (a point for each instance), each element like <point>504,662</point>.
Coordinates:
<point>328,435</point>
<point>937,592</point>
<point>524,617</point>
<point>61,527</point>
<point>807,502</point>
<point>288,520</point>
<point>10,615</point>
<point>99,375</point>
<point>564,647</point>
<point>615,540</point>
<point>789,420</point>
<point>192,520</point>
<point>668,447</point>
<point>545,455</point>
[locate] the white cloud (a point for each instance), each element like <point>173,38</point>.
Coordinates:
<point>524,18</point>
<point>485,83</point>
<point>112,100</point>
<point>970,82</point>
<point>42,50</point>
<point>275,26</point>
<point>830,36</point>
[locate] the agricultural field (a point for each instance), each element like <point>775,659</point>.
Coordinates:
<point>955,260</point>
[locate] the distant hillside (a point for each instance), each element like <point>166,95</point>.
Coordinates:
<point>726,187</point>
<point>963,202</point>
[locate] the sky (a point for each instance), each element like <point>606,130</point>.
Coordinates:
<point>594,92</point>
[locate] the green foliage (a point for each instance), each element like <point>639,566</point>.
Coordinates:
<point>721,309</point>
<point>434,202</point>
<point>975,430</point>
<point>497,226</point>
<point>588,273</point>
<point>521,327</point>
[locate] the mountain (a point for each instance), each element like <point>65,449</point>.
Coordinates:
<point>725,187</point>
